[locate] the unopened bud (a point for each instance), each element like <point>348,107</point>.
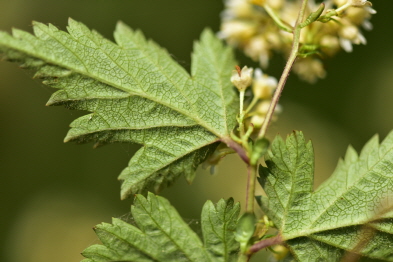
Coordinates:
<point>280,252</point>
<point>263,107</point>
<point>257,120</point>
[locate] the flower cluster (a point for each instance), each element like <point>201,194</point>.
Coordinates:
<point>262,27</point>
<point>263,87</point>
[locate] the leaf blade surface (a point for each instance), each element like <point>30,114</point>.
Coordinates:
<point>161,235</point>
<point>351,211</point>
<point>136,93</point>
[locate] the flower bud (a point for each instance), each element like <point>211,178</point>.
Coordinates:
<point>279,252</point>
<point>330,44</point>
<point>257,121</point>
<point>309,69</point>
<point>263,107</point>
<point>242,78</point>
<point>263,85</point>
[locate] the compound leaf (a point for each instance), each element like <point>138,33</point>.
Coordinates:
<point>136,93</point>
<point>161,234</point>
<point>350,212</point>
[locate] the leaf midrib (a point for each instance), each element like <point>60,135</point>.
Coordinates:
<point>142,50</point>
<point>146,55</point>
<point>95,77</point>
<point>153,172</point>
<point>164,232</point>
<point>131,244</point>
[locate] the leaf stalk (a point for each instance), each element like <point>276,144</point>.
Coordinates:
<point>265,243</point>
<point>237,147</point>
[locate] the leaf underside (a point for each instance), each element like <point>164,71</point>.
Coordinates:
<point>161,234</point>
<point>136,93</point>
<point>350,212</point>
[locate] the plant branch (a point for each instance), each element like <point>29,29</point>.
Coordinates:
<point>237,147</point>
<point>265,243</point>
<point>250,191</point>
<point>292,57</point>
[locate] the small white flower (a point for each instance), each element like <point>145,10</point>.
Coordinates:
<point>350,35</point>
<point>370,10</point>
<point>258,49</point>
<point>263,85</point>
<point>359,3</point>
<point>237,9</point>
<point>242,78</point>
<point>309,69</point>
<point>236,31</point>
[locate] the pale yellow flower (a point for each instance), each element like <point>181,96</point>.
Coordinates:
<point>236,31</point>
<point>309,69</point>
<point>359,3</point>
<point>241,79</point>
<point>263,85</point>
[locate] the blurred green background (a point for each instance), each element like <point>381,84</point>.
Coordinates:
<point>54,193</point>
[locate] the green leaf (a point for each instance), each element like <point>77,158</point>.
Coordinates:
<point>351,211</point>
<point>137,93</point>
<point>259,149</point>
<point>218,227</point>
<point>163,236</point>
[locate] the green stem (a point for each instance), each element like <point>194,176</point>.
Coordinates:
<point>252,175</point>
<point>241,101</point>
<point>292,57</point>
<point>277,20</point>
<point>266,243</point>
<point>243,258</point>
<point>241,114</point>
<point>252,104</point>
<point>230,142</point>
<point>342,8</point>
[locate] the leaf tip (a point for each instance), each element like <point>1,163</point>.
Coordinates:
<point>67,139</point>
<point>71,21</point>
<point>35,23</point>
<point>120,25</point>
<point>207,32</point>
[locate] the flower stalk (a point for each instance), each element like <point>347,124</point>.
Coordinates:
<point>282,25</point>
<point>291,60</point>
